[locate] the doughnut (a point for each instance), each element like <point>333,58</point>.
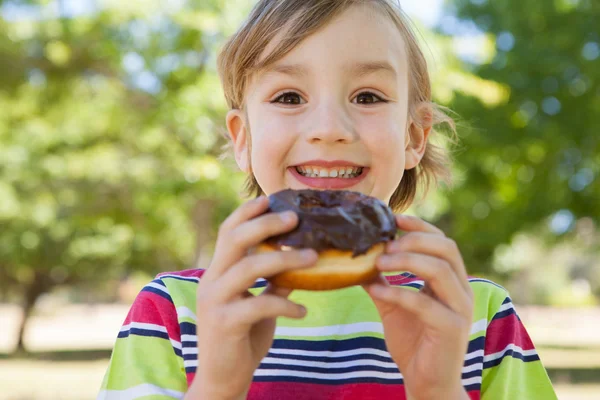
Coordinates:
<point>347,229</point>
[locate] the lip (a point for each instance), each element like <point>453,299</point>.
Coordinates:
<point>329,183</point>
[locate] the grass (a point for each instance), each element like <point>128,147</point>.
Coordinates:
<point>75,379</point>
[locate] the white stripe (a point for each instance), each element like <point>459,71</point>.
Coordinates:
<point>185,278</point>
<point>319,375</point>
<point>175,344</point>
<point>479,326</point>
<point>190,350</point>
<point>505,307</point>
<point>158,286</point>
<point>511,346</point>
<point>421,283</point>
<point>472,367</point>
<point>348,364</point>
<point>345,375</point>
<point>141,325</point>
<point>136,392</point>
<point>186,312</point>
<point>333,330</point>
<point>189,338</point>
<point>320,364</point>
<point>331,354</point>
<point>474,354</point>
<point>471,381</point>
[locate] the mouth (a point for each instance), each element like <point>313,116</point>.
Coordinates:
<point>339,176</point>
<point>347,172</point>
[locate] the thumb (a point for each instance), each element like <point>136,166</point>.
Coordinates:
<point>383,307</point>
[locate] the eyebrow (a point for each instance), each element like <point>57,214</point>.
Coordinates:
<point>357,70</point>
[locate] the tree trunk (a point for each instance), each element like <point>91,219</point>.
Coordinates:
<point>202,215</point>
<point>32,293</point>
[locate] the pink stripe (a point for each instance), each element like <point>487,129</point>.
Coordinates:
<point>400,279</point>
<point>186,273</point>
<point>311,391</point>
<point>504,331</point>
<point>151,308</point>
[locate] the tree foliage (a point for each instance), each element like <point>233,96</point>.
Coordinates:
<point>532,155</point>
<point>109,142</point>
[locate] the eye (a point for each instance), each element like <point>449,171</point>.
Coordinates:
<point>369,98</point>
<point>291,98</point>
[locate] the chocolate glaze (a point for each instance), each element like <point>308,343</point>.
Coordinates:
<point>335,219</point>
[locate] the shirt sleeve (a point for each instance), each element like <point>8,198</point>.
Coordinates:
<point>511,366</point>
<point>146,362</point>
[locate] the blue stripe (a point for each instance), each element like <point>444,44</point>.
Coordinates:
<point>158,292</point>
<point>513,354</point>
<point>148,333</point>
<point>412,285</point>
<point>504,313</point>
<point>187,328</point>
<point>332,358</point>
<point>473,387</point>
<point>259,285</point>
<point>330,345</point>
<point>506,300</point>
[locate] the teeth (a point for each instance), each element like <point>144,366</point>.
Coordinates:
<point>319,172</point>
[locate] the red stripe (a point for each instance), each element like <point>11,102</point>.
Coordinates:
<point>186,273</point>
<point>504,331</point>
<point>311,391</point>
<point>151,308</point>
<point>400,279</point>
<point>190,378</point>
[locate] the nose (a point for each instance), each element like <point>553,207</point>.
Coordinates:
<point>331,124</point>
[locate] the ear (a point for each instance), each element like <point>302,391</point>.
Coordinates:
<point>236,127</point>
<point>416,136</point>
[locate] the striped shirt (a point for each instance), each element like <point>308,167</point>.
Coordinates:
<point>336,352</point>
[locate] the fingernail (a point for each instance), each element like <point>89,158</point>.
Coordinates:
<point>301,310</point>
<point>308,254</point>
<point>384,260</point>
<point>287,216</point>
<point>377,290</point>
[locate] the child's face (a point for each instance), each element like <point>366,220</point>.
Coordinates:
<point>332,115</point>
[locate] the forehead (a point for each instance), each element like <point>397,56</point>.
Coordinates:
<point>359,42</point>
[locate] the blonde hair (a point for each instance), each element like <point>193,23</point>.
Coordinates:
<point>239,60</point>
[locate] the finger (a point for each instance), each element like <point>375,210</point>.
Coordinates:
<point>248,234</point>
<point>245,212</point>
<point>264,265</point>
<point>277,291</point>
<point>435,271</point>
<point>249,311</point>
<point>428,310</point>
<point>436,246</point>
<point>410,224</point>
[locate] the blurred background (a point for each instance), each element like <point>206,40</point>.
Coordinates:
<point>111,123</point>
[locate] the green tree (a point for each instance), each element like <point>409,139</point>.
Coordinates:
<point>109,142</point>
<point>533,157</point>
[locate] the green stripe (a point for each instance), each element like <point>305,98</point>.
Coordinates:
<point>138,359</point>
<point>514,379</point>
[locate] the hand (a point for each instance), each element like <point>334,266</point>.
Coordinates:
<point>235,329</point>
<point>426,332</point>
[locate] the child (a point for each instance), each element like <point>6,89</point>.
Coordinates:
<point>323,87</point>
